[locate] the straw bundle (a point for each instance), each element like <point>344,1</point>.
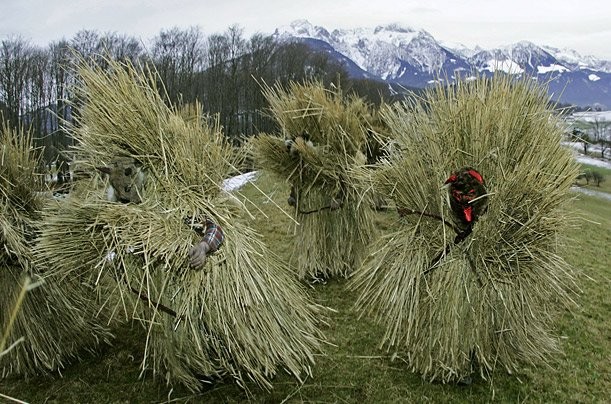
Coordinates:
<point>323,138</point>
<point>20,204</point>
<point>145,128</point>
<point>489,300</point>
<point>67,307</point>
<point>242,315</point>
<point>11,315</point>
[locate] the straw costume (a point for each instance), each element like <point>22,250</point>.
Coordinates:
<point>323,138</point>
<point>241,314</point>
<point>471,279</point>
<point>37,347</point>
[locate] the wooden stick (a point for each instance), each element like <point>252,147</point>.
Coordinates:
<point>406,211</point>
<point>159,306</point>
<point>307,212</point>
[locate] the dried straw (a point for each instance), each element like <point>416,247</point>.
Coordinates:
<point>68,307</point>
<point>490,301</point>
<point>242,315</point>
<point>20,204</point>
<point>327,242</point>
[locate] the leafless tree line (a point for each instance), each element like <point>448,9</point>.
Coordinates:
<point>222,71</point>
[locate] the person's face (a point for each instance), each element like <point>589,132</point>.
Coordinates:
<point>126,180</point>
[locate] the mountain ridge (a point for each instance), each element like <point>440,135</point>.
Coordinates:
<point>400,54</point>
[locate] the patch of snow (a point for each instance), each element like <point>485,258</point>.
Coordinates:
<point>565,54</point>
<point>237,182</point>
<point>551,68</point>
<point>593,77</point>
<point>579,61</point>
<point>111,256</point>
<point>506,66</point>
<point>593,161</point>
<point>591,192</point>
<point>591,116</point>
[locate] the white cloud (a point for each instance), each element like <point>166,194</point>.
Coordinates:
<point>488,23</point>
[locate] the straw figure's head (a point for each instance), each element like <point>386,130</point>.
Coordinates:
<point>126,178</point>
<point>467,194</point>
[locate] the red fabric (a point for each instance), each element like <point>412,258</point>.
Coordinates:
<point>476,175</point>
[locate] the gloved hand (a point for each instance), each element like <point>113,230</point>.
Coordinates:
<point>197,254</point>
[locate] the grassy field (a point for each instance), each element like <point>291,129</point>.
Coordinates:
<point>353,369</point>
<point>605,185</point>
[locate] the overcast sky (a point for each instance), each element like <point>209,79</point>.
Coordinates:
<point>584,26</point>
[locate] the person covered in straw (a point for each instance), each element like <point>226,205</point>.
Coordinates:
<point>471,278</point>
<point>323,136</point>
<point>214,304</point>
<point>126,180</point>
<point>29,302</point>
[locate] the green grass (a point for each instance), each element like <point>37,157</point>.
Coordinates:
<point>354,370</point>
<point>605,186</point>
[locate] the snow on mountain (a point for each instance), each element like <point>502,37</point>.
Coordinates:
<point>516,59</point>
<point>574,59</point>
<point>461,49</point>
<point>378,50</point>
<point>303,29</point>
<point>406,56</point>
<point>506,66</point>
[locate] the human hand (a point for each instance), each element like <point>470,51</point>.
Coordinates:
<point>197,254</point>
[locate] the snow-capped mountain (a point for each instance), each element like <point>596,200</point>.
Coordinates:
<point>402,55</point>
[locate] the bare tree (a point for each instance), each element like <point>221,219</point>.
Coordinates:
<point>86,43</point>
<point>15,56</point>
<point>120,47</point>
<point>217,56</point>
<point>257,65</point>
<point>179,57</point>
<point>234,89</point>
<point>38,96</point>
<point>601,131</point>
<point>290,63</point>
<point>579,136</point>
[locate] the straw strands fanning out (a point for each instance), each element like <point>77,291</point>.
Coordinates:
<point>35,346</point>
<point>20,203</point>
<point>457,299</point>
<point>323,137</point>
<point>243,314</point>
